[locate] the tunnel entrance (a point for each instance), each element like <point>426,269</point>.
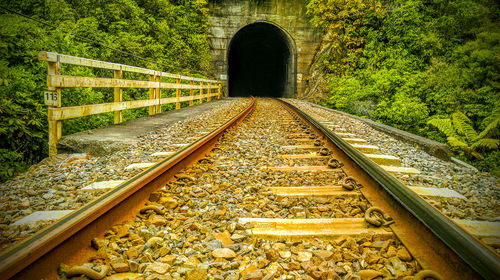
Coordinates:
<point>260,62</point>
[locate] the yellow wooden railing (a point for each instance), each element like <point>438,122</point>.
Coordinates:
<point>56,81</point>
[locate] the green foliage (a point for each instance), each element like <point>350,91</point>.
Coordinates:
<point>491,162</point>
<point>403,111</point>
<point>350,20</point>
<point>462,136</point>
<point>463,126</point>
<point>486,143</point>
<point>11,163</point>
<point>443,125</point>
<point>170,32</point>
<point>421,60</point>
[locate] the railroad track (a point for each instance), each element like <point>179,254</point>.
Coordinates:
<point>265,195</point>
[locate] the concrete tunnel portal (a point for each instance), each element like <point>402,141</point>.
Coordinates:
<point>261,62</point>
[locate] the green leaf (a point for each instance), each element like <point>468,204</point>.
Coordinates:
<point>444,125</point>
<point>462,125</point>
<point>456,143</point>
<point>486,143</point>
<point>489,128</point>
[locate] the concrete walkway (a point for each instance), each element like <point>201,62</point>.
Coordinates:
<point>111,138</point>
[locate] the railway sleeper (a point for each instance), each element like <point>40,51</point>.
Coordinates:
<point>297,229</point>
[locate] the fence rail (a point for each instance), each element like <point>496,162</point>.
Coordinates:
<point>56,81</point>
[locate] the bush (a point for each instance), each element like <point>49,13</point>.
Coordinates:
<point>419,60</point>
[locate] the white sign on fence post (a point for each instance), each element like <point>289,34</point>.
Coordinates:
<point>50,98</point>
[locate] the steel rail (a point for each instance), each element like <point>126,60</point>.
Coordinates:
<point>480,258</point>
<point>39,256</point>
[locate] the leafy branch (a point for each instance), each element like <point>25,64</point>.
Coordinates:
<point>462,136</point>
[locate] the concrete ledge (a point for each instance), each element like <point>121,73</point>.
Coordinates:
<point>431,147</point>
<point>110,139</point>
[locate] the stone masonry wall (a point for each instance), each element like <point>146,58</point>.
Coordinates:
<point>229,16</point>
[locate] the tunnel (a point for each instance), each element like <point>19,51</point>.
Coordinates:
<point>260,62</point>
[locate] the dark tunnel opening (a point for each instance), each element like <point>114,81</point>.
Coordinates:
<point>259,61</point>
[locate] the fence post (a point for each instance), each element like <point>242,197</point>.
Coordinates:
<point>201,92</point>
<point>191,91</point>
<point>152,94</point>
<point>118,96</point>
<point>209,98</point>
<point>158,93</point>
<point>53,99</point>
<point>219,93</point>
<point>178,95</point>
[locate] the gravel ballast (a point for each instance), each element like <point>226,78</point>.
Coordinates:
<point>481,189</point>
<point>56,183</point>
<point>197,233</point>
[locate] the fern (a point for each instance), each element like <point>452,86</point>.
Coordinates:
<point>471,143</point>
<point>477,155</point>
<point>463,126</point>
<point>489,128</point>
<point>444,125</point>
<point>456,143</point>
<point>486,143</point>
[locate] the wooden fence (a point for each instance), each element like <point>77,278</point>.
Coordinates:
<point>56,81</point>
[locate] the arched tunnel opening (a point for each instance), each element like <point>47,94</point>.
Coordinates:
<point>260,62</point>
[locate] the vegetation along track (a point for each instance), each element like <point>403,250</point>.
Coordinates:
<point>277,196</point>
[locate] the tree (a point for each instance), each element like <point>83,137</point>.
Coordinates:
<point>171,33</point>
